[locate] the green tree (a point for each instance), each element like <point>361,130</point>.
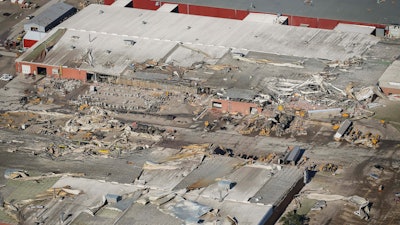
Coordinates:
<point>292,218</point>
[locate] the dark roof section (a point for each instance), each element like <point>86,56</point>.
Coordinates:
<point>240,94</point>
<point>51,14</point>
<point>366,11</point>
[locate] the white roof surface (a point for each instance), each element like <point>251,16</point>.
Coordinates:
<point>391,77</point>
<point>245,213</point>
<point>166,7</point>
<point>209,31</point>
<point>249,182</point>
<point>34,35</point>
<point>159,35</point>
<point>265,18</point>
<point>121,3</point>
<point>354,28</point>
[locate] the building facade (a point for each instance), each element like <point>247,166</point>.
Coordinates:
<point>322,14</point>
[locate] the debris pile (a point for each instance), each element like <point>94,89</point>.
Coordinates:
<point>328,167</point>
<point>355,135</point>
<point>363,206</point>
<point>95,120</point>
<point>262,125</point>
<point>319,205</point>
<point>315,90</point>
<point>15,173</point>
<point>91,131</point>
<point>57,87</point>
<point>346,64</point>
<point>124,98</point>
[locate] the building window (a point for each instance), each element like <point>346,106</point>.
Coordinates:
<point>253,110</point>
<point>54,71</point>
<point>217,105</point>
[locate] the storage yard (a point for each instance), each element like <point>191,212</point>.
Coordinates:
<point>188,119</point>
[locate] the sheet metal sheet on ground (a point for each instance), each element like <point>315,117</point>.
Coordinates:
<point>147,214</point>
<point>278,186</point>
<point>207,173</point>
<point>245,213</point>
<point>92,193</point>
<point>167,179</point>
<point>249,180</point>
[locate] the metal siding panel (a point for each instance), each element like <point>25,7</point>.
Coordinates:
<point>108,2</point>
<point>28,43</point>
<point>241,14</point>
<point>327,24</point>
<point>145,4</point>
<point>212,11</point>
<point>298,20</point>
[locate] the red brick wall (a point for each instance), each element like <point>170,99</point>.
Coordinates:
<point>65,73</point>
<point>71,73</point>
<point>388,91</point>
<point>236,107</point>
<point>34,68</point>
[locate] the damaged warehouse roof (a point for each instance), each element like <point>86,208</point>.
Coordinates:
<point>100,44</point>
<point>380,11</point>
<point>389,82</point>
<point>234,190</point>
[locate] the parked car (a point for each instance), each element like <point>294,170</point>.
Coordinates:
<point>29,17</point>
<point>6,77</point>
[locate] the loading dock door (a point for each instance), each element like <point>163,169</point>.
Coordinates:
<point>26,69</point>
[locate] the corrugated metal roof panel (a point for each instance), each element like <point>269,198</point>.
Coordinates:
<point>278,186</point>
<point>207,173</point>
<point>51,14</point>
<point>294,154</point>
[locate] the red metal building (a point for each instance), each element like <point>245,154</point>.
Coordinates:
<point>317,15</point>
<point>108,2</point>
<point>31,37</point>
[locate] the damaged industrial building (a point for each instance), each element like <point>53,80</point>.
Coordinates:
<point>158,117</point>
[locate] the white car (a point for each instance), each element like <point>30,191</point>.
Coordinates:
<point>6,77</point>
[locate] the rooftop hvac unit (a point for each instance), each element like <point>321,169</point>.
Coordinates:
<point>130,42</point>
